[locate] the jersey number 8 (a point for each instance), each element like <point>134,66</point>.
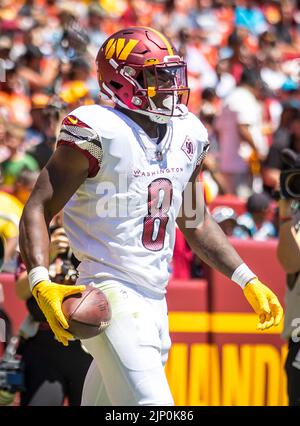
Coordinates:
<point>160,193</point>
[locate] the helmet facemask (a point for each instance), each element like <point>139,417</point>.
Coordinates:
<point>159,90</point>
<point>163,87</point>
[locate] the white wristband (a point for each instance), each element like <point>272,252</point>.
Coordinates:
<point>36,275</point>
<point>242,275</point>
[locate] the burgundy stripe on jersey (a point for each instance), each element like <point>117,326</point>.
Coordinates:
<point>77,134</point>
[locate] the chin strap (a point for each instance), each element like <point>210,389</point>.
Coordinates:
<point>158,114</point>
<point>157,118</point>
<point>181,109</point>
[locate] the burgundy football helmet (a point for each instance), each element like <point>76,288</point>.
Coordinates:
<point>139,69</point>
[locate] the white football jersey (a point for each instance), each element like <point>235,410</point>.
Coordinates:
<point>121,220</point>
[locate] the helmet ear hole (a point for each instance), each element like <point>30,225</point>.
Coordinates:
<point>116,84</point>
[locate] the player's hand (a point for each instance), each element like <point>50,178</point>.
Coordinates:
<point>49,297</point>
<point>265,304</point>
<point>59,243</point>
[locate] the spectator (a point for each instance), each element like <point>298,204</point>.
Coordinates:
<point>4,151</point>
<point>241,43</point>
<point>248,15</point>
<point>43,151</point>
<point>11,207</point>
<point>10,213</point>
<point>38,74</point>
<point>288,252</point>
<point>75,94</point>
<point>24,185</point>
<point>95,18</point>
<point>226,82</point>
<point>288,137</point>
<point>226,217</point>
<point>14,103</point>
<point>17,160</point>
<point>35,134</point>
<point>254,223</point>
<point>239,129</point>
<point>198,65</point>
<point>272,73</point>
<point>289,256</point>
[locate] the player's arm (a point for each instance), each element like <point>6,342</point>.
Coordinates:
<point>65,172</point>
<point>288,249</point>
<point>246,135</point>
<point>208,241</point>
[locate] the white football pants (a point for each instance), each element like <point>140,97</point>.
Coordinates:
<point>129,357</point>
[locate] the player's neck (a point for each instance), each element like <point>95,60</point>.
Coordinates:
<point>152,129</point>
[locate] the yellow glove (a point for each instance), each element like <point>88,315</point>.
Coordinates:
<point>265,304</point>
<point>49,297</point>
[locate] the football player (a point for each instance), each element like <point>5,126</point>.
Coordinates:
<point>124,175</point>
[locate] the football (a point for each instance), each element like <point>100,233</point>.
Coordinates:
<point>88,313</point>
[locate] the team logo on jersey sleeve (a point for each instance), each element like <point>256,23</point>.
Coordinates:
<point>71,120</point>
<point>188,148</point>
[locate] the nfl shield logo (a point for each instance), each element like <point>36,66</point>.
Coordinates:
<point>188,148</point>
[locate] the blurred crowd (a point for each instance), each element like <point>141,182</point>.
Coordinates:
<point>243,62</point>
